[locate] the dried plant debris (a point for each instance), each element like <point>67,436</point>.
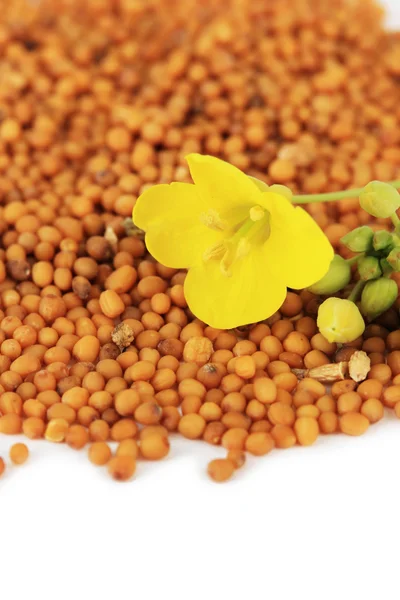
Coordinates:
<point>111,238</point>
<point>325,373</point>
<point>359,366</point>
<point>122,336</point>
<point>131,229</point>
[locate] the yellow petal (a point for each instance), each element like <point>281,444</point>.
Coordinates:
<point>221,184</point>
<point>250,295</point>
<point>262,186</point>
<point>298,251</point>
<point>171,216</point>
<point>163,201</point>
<point>180,245</point>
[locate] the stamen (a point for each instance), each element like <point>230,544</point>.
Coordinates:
<point>212,220</point>
<point>216,251</point>
<point>257,213</point>
<point>227,261</point>
<point>252,231</point>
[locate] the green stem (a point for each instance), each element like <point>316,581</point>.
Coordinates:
<point>332,196</point>
<point>356,291</point>
<point>395,219</point>
<point>354,259</point>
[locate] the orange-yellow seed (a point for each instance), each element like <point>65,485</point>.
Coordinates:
<point>19,454</point>
<point>33,428</point>
<point>77,437</point>
<point>154,447</point>
<point>237,457</point>
<point>353,423</point>
<point>307,430</point>
<point>99,453</point>
<point>128,447</point>
<point>192,426</point>
<point>10,424</point>
<point>111,304</point>
<point>56,430</point>
<point>122,468</point>
<point>259,443</point>
<point>220,469</point>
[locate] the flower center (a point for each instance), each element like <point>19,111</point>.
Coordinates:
<point>241,236</point>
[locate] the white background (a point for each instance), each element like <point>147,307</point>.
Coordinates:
<point>306,523</point>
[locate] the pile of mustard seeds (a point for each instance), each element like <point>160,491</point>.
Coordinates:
<point>100,99</point>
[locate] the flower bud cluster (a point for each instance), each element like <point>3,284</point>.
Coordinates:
<point>377,256</point>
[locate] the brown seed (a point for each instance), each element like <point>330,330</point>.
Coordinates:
<point>19,270</point>
<point>82,287</point>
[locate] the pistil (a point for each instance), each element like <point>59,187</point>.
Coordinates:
<point>248,233</point>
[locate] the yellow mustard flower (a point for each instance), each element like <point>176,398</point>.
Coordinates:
<point>242,242</point>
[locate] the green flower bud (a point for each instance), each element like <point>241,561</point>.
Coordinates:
<point>336,278</point>
<point>386,268</point>
<point>379,199</point>
<point>340,320</point>
<point>359,240</point>
<point>377,297</point>
<point>393,259</point>
<point>383,240</point>
<point>369,268</point>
